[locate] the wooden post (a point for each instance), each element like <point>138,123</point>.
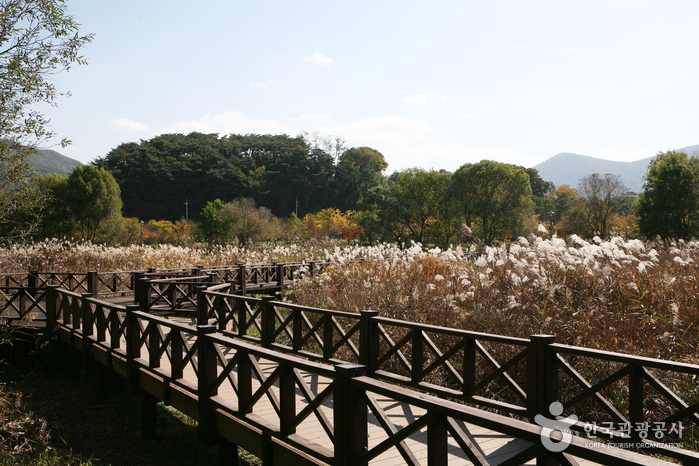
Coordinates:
<point>635,400</point>
<point>437,445</point>
<point>296,329</point>
<point>469,367</point>
<point>202,307</point>
<point>206,377</point>
<point>417,355</point>
<point>227,453</point>
<point>244,382</point>
<point>368,340</point>
<point>220,312</point>
<point>280,276</point>
<point>176,353</point>
<point>312,268</point>
<point>350,416</point>
<point>287,399</point>
<point>149,411</point>
<point>268,320</point>
<point>93,283</point>
<point>86,316</point>
<point>144,297</point>
<point>52,303</point>
<point>133,349</point>
<point>542,376</point>
<point>33,282</point>
<point>242,280</point>
<point>328,329</point>
<point>542,386</point>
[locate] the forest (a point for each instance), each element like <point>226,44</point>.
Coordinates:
<point>181,189</point>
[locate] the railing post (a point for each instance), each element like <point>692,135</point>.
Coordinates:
<point>268,320</point>
<point>219,308</point>
<point>328,330</point>
<point>287,399</point>
<point>52,300</point>
<point>368,340</point>
<point>133,348</point>
<point>202,306</point>
<point>312,268</point>
<point>242,280</point>
<point>469,374</point>
<point>542,376</point>
<point>542,385</point>
<point>93,283</point>
<point>32,281</point>
<point>437,440</point>
<point>144,297</point>
<point>87,317</point>
<point>280,276</point>
<point>417,355</point>
<point>206,375</point>
<point>635,400</point>
<point>350,416</point>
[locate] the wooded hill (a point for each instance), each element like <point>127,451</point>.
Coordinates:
<point>158,176</point>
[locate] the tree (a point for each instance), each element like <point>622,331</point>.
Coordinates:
<point>601,197</point>
<point>669,203</point>
<point>37,40</point>
<point>84,205</point>
<point>408,206</point>
<point>495,199</point>
<point>240,218</point>
<point>94,200</point>
<point>359,169</point>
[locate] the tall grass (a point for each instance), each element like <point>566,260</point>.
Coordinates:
<point>615,295</point>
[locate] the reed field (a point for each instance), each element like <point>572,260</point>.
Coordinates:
<point>618,295</point>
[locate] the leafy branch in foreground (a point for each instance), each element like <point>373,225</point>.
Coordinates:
<point>38,39</point>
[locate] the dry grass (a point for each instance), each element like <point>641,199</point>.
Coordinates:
<point>619,295</point>
<point>65,256</point>
<point>50,415</point>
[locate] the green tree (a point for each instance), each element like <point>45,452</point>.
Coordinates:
<point>669,203</point>
<point>212,226</point>
<point>495,199</point>
<point>37,40</point>
<point>359,169</point>
<point>410,205</point>
<point>56,219</point>
<point>94,200</point>
<point>601,197</point>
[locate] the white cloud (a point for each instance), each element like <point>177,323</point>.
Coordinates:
<point>269,82</point>
<point>421,99</point>
<point>129,126</point>
<point>313,118</point>
<point>318,59</point>
<point>611,153</point>
<point>465,115</point>
<point>386,131</point>
<point>229,122</point>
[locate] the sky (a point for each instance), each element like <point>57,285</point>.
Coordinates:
<point>428,84</point>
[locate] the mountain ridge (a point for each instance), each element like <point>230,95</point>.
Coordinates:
<point>568,168</point>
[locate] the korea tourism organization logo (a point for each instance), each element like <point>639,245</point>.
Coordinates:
<point>556,435</point>
<point>562,426</point>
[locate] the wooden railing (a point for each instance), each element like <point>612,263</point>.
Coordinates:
<point>219,381</point>
<point>622,398</point>
<point>172,289</point>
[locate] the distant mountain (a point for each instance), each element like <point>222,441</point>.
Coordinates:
<point>49,161</point>
<point>567,168</point>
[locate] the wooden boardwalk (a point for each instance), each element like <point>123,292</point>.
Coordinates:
<point>302,386</point>
<point>494,446</point>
